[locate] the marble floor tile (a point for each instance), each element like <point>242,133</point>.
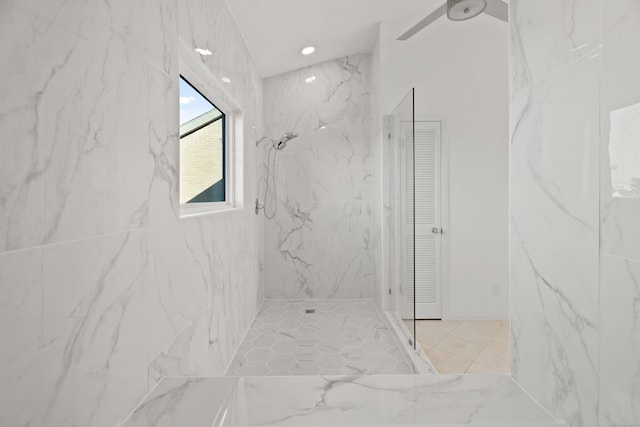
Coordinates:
<point>318,337</point>
<point>427,400</point>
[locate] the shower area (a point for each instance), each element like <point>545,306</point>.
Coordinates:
<point>315,203</point>
<point>362,273</point>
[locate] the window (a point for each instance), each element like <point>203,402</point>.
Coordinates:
<point>203,146</point>
<point>211,125</point>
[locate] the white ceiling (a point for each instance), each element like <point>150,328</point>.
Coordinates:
<point>276,30</point>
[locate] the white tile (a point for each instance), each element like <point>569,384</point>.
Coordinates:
<point>95,329</point>
<point>21,365</point>
<point>339,245</point>
<point>620,172</point>
<point>555,240</point>
<point>315,344</point>
<point>22,121</point>
<point>90,170</point>
<point>547,35</point>
<point>21,307</point>
<point>97,177</point>
<point>194,402</point>
<point>620,208</point>
<point>620,342</point>
<point>163,144</point>
<point>330,167</point>
<point>338,400</point>
<point>162,35</point>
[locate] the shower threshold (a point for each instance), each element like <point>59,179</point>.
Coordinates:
<point>376,400</point>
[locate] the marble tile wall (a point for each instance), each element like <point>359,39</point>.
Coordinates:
<point>620,216</point>
<point>575,169</point>
<point>103,288</point>
<point>377,205</point>
<point>319,243</point>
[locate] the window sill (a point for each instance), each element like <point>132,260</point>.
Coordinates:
<point>196,211</point>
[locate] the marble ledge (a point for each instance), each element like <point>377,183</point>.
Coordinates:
<point>480,400</point>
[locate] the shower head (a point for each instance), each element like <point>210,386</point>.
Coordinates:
<point>279,145</point>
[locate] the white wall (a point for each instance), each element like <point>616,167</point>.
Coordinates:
<point>460,72</point>
<point>319,245</point>
<point>103,288</point>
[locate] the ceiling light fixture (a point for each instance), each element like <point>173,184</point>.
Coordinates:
<point>310,79</point>
<point>461,10</point>
<point>205,52</point>
<point>226,79</point>
<point>308,50</point>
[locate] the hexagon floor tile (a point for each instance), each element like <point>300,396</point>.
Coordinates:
<point>340,337</point>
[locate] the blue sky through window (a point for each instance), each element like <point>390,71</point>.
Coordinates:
<point>192,104</point>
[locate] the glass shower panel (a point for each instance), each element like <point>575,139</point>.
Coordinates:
<point>401,209</point>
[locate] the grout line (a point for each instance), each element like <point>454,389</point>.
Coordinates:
<point>540,405</point>
<point>139,404</point>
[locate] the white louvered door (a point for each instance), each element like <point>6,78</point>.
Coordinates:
<point>426,231</point>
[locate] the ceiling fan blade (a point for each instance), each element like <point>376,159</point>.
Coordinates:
<point>426,21</point>
<point>497,9</point>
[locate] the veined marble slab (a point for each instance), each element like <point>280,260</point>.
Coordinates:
<point>341,337</point>
<point>481,400</point>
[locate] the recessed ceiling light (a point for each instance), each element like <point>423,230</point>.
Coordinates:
<point>308,50</point>
<point>310,79</point>
<point>205,52</point>
<point>226,79</point>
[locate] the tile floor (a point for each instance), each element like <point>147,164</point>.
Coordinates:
<point>474,347</point>
<point>341,337</point>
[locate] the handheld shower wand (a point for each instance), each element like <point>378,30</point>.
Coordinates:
<point>276,145</point>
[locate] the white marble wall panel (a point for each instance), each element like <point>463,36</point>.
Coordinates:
<point>288,271</point>
<point>377,207</point>
<point>555,240</point>
<point>95,140</point>
<point>620,355</point>
<point>341,260</point>
<point>318,244</point>
<point>547,35</point>
<point>94,328</point>
<point>205,346</point>
<point>21,303</point>
<point>585,318</point>
<point>620,210</point>
<point>22,167</point>
<point>620,173</point>
<point>99,277</point>
<point>20,329</point>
